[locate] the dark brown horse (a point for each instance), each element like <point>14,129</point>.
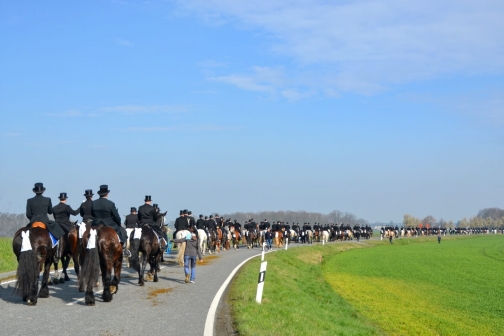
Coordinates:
<point>148,244</point>
<point>69,250</point>
<point>235,237</point>
<point>101,250</point>
<point>38,252</point>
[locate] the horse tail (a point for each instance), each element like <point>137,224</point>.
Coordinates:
<point>135,250</point>
<point>90,268</point>
<point>27,273</point>
<point>180,254</point>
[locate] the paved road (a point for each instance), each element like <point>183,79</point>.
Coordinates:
<point>168,306</point>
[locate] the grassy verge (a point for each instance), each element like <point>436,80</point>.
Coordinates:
<point>452,288</point>
<point>8,260</point>
<point>296,299</point>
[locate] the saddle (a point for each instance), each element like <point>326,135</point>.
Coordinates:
<point>39,225</point>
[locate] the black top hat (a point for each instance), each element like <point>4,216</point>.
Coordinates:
<point>211,216</point>
<point>133,209</point>
<point>148,198</point>
<point>181,212</point>
<point>189,212</point>
<point>63,196</point>
<point>103,190</point>
<point>38,188</point>
<point>155,205</point>
<point>88,193</point>
<point>185,211</point>
<point>200,216</point>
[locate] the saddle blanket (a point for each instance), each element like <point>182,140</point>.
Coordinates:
<point>53,240</point>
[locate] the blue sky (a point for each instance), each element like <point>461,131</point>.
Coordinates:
<point>379,108</point>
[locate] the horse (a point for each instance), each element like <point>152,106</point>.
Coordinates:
<point>202,241</point>
<point>309,236</point>
<point>316,235</point>
<point>181,246</point>
<point>144,240</point>
<point>294,236</point>
<point>235,238</point>
<point>161,223</point>
<point>251,237</point>
<point>325,236</point>
<point>278,239</point>
<point>226,238</point>
<point>218,240</point>
<point>68,246</point>
<point>101,250</point>
<point>33,249</point>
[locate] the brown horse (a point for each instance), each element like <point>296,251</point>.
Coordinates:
<point>278,239</point>
<point>101,250</point>
<point>235,237</point>
<point>219,240</point>
<point>151,249</point>
<point>34,250</point>
<point>69,249</point>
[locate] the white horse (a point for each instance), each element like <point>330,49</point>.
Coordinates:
<point>181,246</point>
<point>293,235</point>
<point>202,236</point>
<point>325,236</point>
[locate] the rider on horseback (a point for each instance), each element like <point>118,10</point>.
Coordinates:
<point>62,213</point>
<point>37,209</point>
<point>86,206</point>
<point>105,212</point>
<point>147,215</point>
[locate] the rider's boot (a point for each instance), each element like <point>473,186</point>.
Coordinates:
<point>126,252</point>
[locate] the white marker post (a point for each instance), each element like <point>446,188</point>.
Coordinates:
<point>260,282</point>
<point>286,243</point>
<point>262,254</point>
<point>323,241</point>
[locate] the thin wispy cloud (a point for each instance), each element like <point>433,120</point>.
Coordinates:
<point>147,109</point>
<point>11,134</point>
<point>366,46</point>
<point>181,128</point>
<point>124,42</point>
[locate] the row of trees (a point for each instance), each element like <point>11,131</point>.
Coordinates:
<point>300,217</point>
<point>489,217</point>
<point>10,223</point>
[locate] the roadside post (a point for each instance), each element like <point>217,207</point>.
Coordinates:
<point>262,254</point>
<point>260,282</point>
<point>286,243</point>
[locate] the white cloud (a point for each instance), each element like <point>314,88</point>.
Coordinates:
<point>145,109</point>
<point>366,46</point>
<point>181,128</point>
<point>123,42</point>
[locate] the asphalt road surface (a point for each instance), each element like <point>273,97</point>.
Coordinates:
<point>166,307</point>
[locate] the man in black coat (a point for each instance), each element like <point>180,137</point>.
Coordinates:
<point>200,223</point>
<point>37,209</point>
<point>211,224</point>
<point>62,213</point>
<point>147,215</point>
<point>237,226</point>
<point>86,206</point>
<point>131,221</point>
<point>105,212</point>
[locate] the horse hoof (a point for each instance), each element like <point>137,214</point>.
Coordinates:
<point>61,281</point>
<point>113,289</point>
<point>31,303</point>
<point>90,304</point>
<point>141,284</point>
<point>55,282</point>
<point>67,278</point>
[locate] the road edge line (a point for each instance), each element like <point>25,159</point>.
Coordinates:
<point>210,319</point>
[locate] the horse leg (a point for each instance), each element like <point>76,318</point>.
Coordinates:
<point>107,279</point>
<point>55,280</point>
<point>141,269</point>
<point>114,286</point>
<point>44,289</point>
<point>157,260</point>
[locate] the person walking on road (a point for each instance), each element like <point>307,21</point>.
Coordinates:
<point>269,237</point>
<point>191,251</point>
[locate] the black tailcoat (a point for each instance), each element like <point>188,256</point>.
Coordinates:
<point>62,214</point>
<point>37,209</point>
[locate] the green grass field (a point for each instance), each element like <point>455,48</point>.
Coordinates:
<point>8,260</point>
<point>413,287</point>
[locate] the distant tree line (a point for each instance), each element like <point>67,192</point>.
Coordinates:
<point>10,223</point>
<point>300,217</point>
<point>489,218</point>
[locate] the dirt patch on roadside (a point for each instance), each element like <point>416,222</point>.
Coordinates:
<point>154,292</point>
<point>207,260</point>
